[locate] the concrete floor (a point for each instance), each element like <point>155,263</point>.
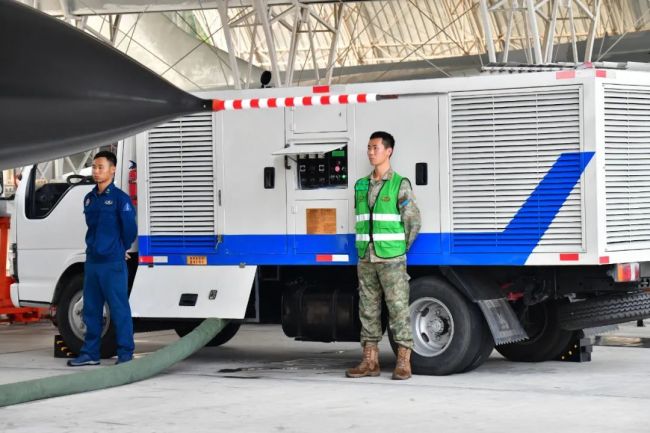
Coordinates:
<point>262,381</point>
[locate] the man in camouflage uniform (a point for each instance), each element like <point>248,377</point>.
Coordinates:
<point>388,221</point>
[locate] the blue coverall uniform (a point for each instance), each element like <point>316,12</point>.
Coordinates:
<point>111,222</point>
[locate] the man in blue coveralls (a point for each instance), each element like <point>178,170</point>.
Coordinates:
<point>110,218</point>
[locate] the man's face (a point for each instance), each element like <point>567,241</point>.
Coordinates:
<point>103,170</point>
<point>377,152</point>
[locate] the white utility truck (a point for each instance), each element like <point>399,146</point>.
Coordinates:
<point>534,190</point>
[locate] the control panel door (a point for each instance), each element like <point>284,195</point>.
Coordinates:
<point>318,194</point>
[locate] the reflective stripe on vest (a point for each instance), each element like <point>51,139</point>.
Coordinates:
<point>383,224</point>
<point>382,237</point>
<point>379,217</point>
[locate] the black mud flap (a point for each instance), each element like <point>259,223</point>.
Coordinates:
<point>502,320</point>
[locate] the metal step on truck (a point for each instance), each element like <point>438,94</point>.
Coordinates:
<point>534,191</point>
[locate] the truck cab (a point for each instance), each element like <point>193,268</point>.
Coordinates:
<point>47,238</point>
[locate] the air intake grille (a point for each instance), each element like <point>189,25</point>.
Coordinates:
<point>181,183</point>
<point>502,145</point>
<point>627,166</point>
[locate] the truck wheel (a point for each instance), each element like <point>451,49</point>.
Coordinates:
<point>70,320</point>
<point>546,339</point>
<point>184,328</point>
<point>485,349</point>
<point>448,330</point>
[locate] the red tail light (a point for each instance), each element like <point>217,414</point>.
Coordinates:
<point>624,272</point>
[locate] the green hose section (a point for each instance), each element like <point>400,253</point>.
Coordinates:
<point>121,374</point>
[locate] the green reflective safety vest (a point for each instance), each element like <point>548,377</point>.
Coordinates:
<point>382,225</point>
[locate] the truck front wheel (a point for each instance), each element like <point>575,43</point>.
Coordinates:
<point>449,334</point>
<point>69,318</point>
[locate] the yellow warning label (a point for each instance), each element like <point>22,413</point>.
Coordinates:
<point>197,260</point>
<point>321,221</point>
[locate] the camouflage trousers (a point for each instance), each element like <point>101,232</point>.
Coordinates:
<point>391,279</point>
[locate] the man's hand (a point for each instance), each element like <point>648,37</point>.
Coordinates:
<point>127,256</point>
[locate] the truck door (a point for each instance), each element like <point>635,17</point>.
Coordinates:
<point>252,197</point>
<point>50,226</point>
<point>414,122</point>
<point>317,157</point>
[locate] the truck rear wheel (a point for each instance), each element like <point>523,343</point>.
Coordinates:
<point>448,330</point>
<point>184,328</point>
<point>546,338</point>
<point>69,319</point>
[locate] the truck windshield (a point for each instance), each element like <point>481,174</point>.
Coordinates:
<point>50,181</point>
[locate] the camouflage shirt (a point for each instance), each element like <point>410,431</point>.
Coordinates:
<point>407,208</point>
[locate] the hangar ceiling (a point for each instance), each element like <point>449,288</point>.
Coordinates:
<point>201,45</point>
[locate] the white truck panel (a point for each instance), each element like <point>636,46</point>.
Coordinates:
<point>414,124</point>
<point>37,282</point>
<point>157,291</point>
<point>247,149</point>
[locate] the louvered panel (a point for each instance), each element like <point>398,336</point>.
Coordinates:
<point>181,184</point>
<point>502,146</point>
<point>627,166</point>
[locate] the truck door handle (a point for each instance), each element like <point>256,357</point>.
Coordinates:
<point>421,173</point>
<point>269,177</point>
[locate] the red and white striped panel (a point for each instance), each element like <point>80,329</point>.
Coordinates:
<point>148,260</point>
<point>332,258</point>
<point>299,101</point>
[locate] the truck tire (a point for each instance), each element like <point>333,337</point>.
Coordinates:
<point>604,311</point>
<point>70,323</point>
<point>485,349</point>
<point>184,328</point>
<point>546,338</point>
<point>448,329</point>
<point>483,352</point>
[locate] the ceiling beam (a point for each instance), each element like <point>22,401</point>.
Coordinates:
<point>103,7</point>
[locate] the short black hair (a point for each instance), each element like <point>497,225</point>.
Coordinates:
<point>110,156</point>
<point>387,139</point>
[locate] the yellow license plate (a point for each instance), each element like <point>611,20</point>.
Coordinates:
<point>197,260</point>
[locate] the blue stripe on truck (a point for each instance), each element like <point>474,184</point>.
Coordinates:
<point>512,246</point>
